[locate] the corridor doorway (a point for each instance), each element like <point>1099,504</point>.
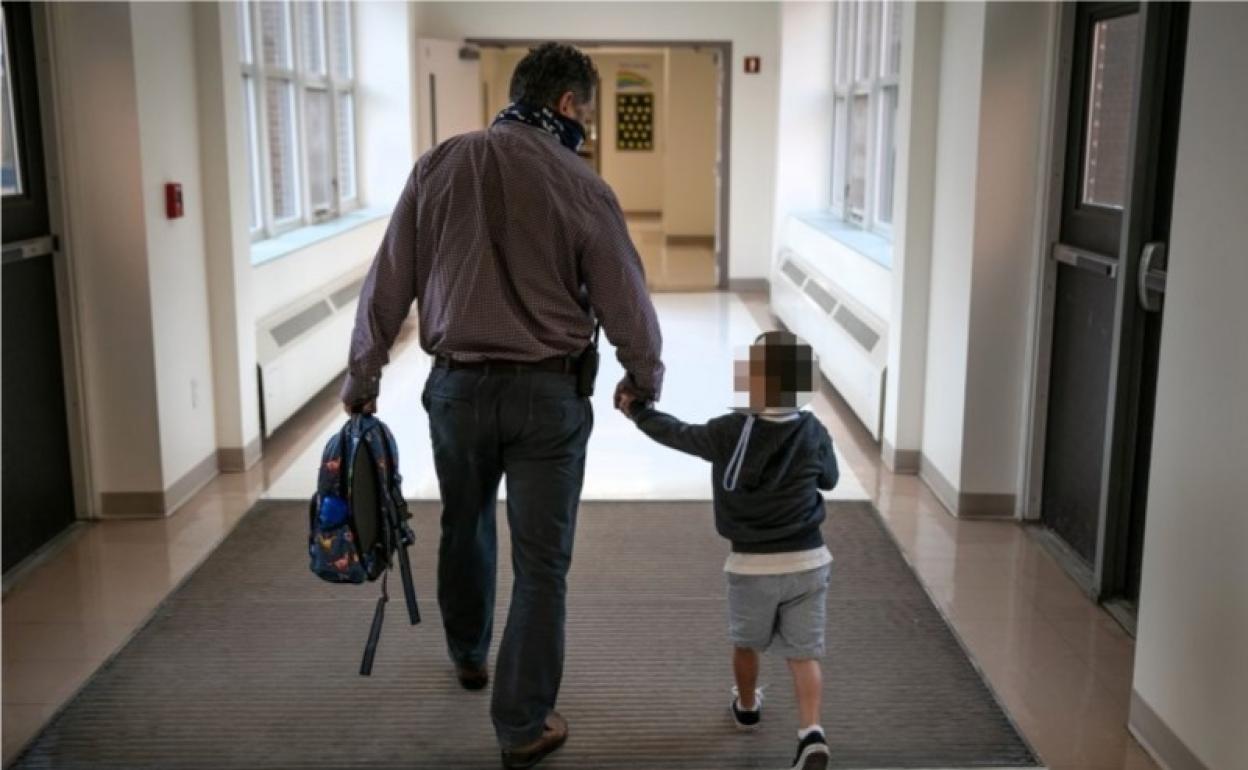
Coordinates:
<point>38,496</point>
<point>1104,283</point>
<point>657,139</point>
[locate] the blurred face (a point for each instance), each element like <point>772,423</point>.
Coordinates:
<point>750,378</point>
<point>570,107</point>
<point>758,392</point>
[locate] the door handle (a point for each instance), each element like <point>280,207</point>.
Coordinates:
<point>35,247</point>
<point>1086,260</point>
<point>1151,282</point>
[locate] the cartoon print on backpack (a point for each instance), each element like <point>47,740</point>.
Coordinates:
<point>358,519</point>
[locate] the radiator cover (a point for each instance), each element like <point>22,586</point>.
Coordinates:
<point>302,347</point>
<point>849,340</point>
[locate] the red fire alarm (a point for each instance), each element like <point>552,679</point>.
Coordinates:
<point>752,65</point>
<point>173,200</point>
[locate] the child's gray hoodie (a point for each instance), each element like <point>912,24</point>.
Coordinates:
<point>766,475</point>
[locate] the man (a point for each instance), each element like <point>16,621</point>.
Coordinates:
<point>512,248</point>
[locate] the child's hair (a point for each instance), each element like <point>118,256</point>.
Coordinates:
<point>785,367</point>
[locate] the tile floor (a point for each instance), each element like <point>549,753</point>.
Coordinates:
<point>1061,666</point>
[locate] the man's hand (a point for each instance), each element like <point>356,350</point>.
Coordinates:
<point>367,407</point>
<point>626,395</point>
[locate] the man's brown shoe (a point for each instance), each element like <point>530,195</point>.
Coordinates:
<point>472,677</point>
<point>553,736</point>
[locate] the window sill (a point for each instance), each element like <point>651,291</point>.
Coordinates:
<point>873,246</point>
<point>288,243</point>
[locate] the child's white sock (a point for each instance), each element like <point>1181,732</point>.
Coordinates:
<point>802,733</point>
<point>758,701</point>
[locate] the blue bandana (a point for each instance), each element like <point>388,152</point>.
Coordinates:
<point>569,132</point>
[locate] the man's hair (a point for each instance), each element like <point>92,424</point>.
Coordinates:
<point>549,71</point>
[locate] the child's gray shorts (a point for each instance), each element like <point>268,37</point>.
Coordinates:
<point>783,612</point>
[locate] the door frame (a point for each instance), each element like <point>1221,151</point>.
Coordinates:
<point>52,112</point>
<point>1102,580</point>
<point>724,47</point>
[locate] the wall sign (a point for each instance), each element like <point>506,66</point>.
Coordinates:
<point>634,122</point>
<point>752,65</point>
<point>632,78</point>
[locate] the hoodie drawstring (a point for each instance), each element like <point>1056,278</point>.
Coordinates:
<point>732,473</point>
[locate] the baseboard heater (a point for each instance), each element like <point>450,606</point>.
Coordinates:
<point>850,342</point>
<point>302,347</point>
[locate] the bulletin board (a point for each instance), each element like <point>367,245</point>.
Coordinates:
<point>634,122</point>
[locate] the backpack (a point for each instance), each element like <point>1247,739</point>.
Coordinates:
<point>357,520</point>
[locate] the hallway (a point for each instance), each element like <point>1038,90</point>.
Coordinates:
<point>1059,664</point>
<point>1011,233</point>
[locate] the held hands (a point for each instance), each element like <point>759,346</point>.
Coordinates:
<point>366,407</point>
<point>628,399</point>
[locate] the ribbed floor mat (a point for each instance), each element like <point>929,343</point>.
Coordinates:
<point>252,664</point>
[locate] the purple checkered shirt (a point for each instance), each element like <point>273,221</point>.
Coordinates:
<point>507,241</point>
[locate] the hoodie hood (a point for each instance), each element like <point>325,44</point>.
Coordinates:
<point>767,448</point>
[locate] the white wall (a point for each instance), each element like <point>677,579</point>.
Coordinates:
<point>995,58</point>
<point>913,206</point>
<point>1008,193</point>
<point>953,227</point>
<point>692,138</point>
<point>284,280</point>
<point>164,73</point>
<point>803,140</point>
<point>105,236</point>
<point>385,67</point>
<point>753,29</point>
<point>227,238</point>
<point>1190,663</point>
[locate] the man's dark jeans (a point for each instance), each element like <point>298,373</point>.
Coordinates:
<point>532,427</point>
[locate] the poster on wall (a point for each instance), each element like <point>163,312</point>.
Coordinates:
<point>634,122</point>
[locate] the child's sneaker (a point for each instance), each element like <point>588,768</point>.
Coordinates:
<point>747,720</point>
<point>812,752</point>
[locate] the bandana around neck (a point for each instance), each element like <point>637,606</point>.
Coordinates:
<point>569,132</point>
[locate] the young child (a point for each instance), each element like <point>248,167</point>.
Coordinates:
<point>769,460</point>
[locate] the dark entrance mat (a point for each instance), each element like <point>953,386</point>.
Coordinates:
<point>252,664</point>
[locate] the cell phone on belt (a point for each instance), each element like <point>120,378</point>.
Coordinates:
<point>587,372</point>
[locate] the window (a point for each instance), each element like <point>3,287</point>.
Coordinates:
<point>866,62</point>
<point>10,161</point>
<point>299,109</point>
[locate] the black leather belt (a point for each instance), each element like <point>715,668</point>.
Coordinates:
<point>563,364</point>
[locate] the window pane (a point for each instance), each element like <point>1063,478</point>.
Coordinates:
<point>1110,93</point>
<point>253,156</point>
<point>318,125</point>
<point>346,146</point>
<point>280,95</point>
<point>858,157</point>
<point>275,34</point>
<point>846,29</point>
<point>866,39</point>
<point>840,151</point>
<point>890,58</point>
<point>340,39</point>
<point>312,37</point>
<point>10,161</point>
<point>887,155</point>
<point>245,50</point>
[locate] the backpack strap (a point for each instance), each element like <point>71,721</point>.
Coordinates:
<point>374,632</point>
<point>396,511</point>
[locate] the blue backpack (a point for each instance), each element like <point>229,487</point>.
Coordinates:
<point>357,520</point>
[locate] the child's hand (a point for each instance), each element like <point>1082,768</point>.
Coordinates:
<point>624,401</point>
